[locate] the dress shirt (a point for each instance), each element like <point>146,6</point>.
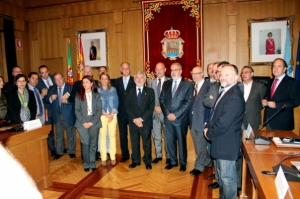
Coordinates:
<point>278,82</point>
<point>247,89</point>
<point>88,97</point>
<point>46,82</point>
<point>177,82</point>
<point>37,104</point>
<point>137,90</point>
<point>199,85</point>
<point>126,79</point>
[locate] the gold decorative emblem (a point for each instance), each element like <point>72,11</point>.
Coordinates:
<point>172,44</point>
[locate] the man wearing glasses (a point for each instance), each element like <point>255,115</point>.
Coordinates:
<point>176,99</point>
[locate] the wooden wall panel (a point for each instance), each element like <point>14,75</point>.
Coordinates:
<point>215,24</point>
<point>132,40</point>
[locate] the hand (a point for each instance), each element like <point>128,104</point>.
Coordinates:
<point>87,125</point>
<point>264,102</point>
<point>63,100</point>
<point>157,109</point>
<point>204,132</point>
<point>110,117</point>
<point>53,97</point>
<point>138,122</point>
<point>271,104</point>
<point>211,97</point>
<point>44,92</point>
<point>171,117</point>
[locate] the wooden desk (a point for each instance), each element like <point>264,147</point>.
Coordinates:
<point>263,157</point>
<point>31,149</point>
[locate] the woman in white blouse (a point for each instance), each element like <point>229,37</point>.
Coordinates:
<point>88,108</point>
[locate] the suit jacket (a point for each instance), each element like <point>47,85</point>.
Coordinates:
<point>9,86</point>
<point>180,105</point>
<point>143,110</point>
<point>287,93</point>
<point>67,109</point>
<point>200,114</point>
<point>40,86</point>
<point>81,111</point>
<point>14,105</point>
<point>152,83</point>
<point>76,88</point>
<point>253,105</point>
<point>213,91</point>
<point>118,84</point>
<point>224,127</point>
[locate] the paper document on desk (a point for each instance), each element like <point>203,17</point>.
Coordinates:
<point>281,184</point>
<point>248,131</point>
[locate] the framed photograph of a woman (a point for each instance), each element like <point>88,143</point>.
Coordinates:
<point>267,39</point>
<point>94,48</point>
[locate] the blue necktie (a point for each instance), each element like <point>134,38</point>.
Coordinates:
<point>37,95</point>
<point>139,96</point>
<point>59,97</point>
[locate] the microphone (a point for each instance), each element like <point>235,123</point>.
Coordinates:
<point>290,174</point>
<point>261,140</point>
<point>16,128</point>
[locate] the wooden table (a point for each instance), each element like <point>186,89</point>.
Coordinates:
<point>258,158</point>
<point>31,149</point>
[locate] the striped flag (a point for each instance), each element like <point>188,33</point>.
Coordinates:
<point>70,79</point>
<point>297,75</point>
<point>287,54</point>
<point>80,59</point>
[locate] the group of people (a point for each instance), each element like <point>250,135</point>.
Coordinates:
<point>215,108</point>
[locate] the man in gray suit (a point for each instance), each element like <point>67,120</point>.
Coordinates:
<point>253,92</point>
<point>176,99</point>
<point>158,117</point>
<point>199,116</point>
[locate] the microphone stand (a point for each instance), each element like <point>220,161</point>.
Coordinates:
<point>290,174</point>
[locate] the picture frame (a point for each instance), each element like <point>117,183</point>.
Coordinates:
<point>267,39</point>
<point>94,49</point>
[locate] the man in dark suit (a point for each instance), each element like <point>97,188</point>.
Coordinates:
<point>63,116</point>
<point>140,103</point>
<point>46,83</point>
<point>123,84</point>
<point>282,93</point>
<point>176,99</point>
<point>93,51</point>
<point>223,130</point>
<point>199,117</point>
<point>253,92</point>
<point>158,117</point>
<point>11,83</point>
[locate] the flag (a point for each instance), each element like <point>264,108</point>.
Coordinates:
<point>297,75</point>
<point>70,79</point>
<point>80,59</point>
<point>287,54</point>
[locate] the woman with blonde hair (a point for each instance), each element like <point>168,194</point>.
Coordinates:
<point>110,104</point>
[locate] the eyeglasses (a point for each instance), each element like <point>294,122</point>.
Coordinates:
<point>173,70</point>
<point>196,73</point>
<point>246,72</point>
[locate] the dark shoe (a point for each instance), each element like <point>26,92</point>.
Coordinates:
<point>108,156</point>
<point>170,166</point>
<point>148,166</point>
<point>133,165</point>
<point>211,177</point>
<point>156,160</point>
<point>168,161</point>
<point>214,185</point>
<point>94,169</point>
<point>53,153</point>
<point>87,169</point>
<point>57,156</point>
<point>97,154</point>
<point>182,168</point>
<point>65,150</point>
<point>195,172</point>
<point>98,159</point>
<point>124,159</point>
<point>72,155</point>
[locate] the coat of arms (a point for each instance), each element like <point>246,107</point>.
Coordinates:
<point>172,44</point>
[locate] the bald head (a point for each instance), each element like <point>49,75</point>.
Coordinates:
<point>197,74</point>
<point>160,70</point>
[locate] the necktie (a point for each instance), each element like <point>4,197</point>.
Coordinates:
<point>125,83</point>
<point>37,95</point>
<point>196,91</point>
<point>59,96</point>
<point>221,89</point>
<point>158,87</point>
<point>139,96</point>
<point>274,87</point>
<point>48,83</point>
<point>174,88</point>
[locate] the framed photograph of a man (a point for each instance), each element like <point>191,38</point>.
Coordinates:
<point>94,49</point>
<point>267,39</point>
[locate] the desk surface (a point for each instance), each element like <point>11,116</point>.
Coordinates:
<point>262,158</point>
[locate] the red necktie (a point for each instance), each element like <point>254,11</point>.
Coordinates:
<point>273,88</point>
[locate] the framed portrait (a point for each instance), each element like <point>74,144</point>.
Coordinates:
<point>94,49</point>
<point>267,39</point>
